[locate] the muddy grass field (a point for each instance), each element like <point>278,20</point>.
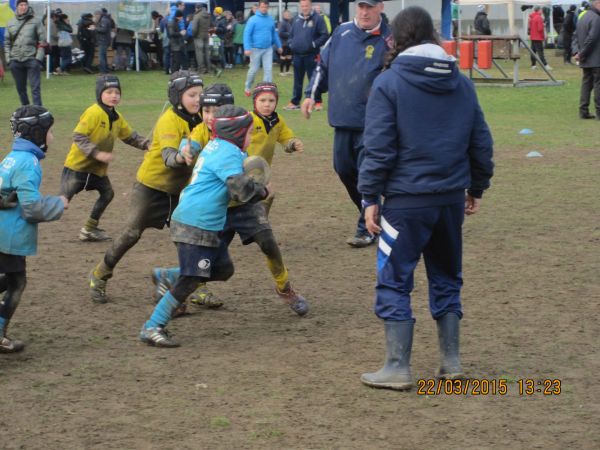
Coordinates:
<point>254,375</point>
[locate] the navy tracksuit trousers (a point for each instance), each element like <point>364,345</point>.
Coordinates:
<point>303,65</point>
<point>348,153</point>
<point>434,232</point>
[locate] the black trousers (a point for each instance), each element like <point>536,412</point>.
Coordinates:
<point>538,47</point>
<point>589,82</point>
<point>23,71</point>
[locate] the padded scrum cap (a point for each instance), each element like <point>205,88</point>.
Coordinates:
<point>32,123</point>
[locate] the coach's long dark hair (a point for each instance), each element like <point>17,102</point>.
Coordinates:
<point>411,26</point>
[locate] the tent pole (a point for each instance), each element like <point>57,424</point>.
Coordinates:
<point>137,52</point>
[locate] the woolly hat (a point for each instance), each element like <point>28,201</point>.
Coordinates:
<point>218,10</point>
<point>103,82</point>
<point>231,123</point>
<point>32,123</point>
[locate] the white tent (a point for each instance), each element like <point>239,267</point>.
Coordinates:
<point>510,4</point>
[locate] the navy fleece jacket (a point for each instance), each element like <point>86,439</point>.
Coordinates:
<point>425,138</point>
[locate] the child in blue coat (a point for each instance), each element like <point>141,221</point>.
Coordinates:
<point>20,179</point>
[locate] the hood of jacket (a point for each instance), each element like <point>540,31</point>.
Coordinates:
<point>23,145</point>
<point>479,14</point>
<point>427,67</point>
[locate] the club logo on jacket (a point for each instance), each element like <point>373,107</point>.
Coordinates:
<point>369,51</point>
<point>102,124</point>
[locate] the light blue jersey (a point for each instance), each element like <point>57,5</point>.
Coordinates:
<point>203,203</point>
<point>20,172</point>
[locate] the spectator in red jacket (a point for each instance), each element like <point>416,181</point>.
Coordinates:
<point>537,35</point>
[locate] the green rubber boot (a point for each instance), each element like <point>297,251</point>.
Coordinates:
<point>448,332</point>
<point>395,373</point>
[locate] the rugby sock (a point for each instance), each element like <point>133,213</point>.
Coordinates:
<point>3,324</point>
<point>91,224</point>
<point>163,311</point>
<point>173,274</point>
<point>279,272</point>
<point>102,271</point>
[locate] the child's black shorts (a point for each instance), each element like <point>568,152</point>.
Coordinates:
<point>247,220</point>
<point>73,182</point>
<point>11,263</point>
<point>150,208</point>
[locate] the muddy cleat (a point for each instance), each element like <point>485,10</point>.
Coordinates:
<point>97,289</point>
<point>160,279</point>
<point>291,107</point>
<point>158,337</point>
<point>8,345</point>
<point>95,235</point>
<point>203,297</point>
<point>361,240</point>
<point>296,302</point>
<point>318,106</point>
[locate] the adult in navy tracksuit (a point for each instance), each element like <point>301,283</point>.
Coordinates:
<point>349,63</point>
<point>308,35</point>
<point>428,153</point>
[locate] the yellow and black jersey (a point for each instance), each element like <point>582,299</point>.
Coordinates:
<point>95,124</point>
<point>168,133</point>
<point>263,143</point>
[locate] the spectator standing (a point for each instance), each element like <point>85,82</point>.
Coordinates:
<point>308,34</point>
<point>220,29</point>
<point>156,41</point>
<point>65,41</point>
<point>284,29</point>
<point>176,42</point>
<point>259,38</point>
<point>103,37</point>
<point>201,23</point>
<point>54,50</point>
<point>568,29</point>
<point>24,51</point>
<point>349,63</point>
<point>87,40</point>
<point>238,37</point>
<point>190,49</point>
<point>166,45</point>
<point>587,47</point>
<point>325,17</point>
<point>537,35</point>
<point>228,40</point>
<point>481,22</point>
<point>558,18</point>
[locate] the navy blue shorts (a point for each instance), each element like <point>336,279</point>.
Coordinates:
<point>12,263</point>
<point>200,261</point>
